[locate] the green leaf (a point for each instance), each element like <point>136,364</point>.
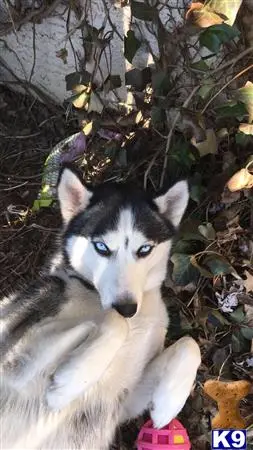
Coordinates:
<point>238,315</point>
<point>75,78</point>
<point>196,192</point>
<point>131,45</point>
<point>183,271</point>
<point>215,316</point>
<point>245,95</point>
<point>157,115</point>
<point>122,157</point>
<point>230,110</point>
<point>239,343</point>
<point>218,265</point>
<point>200,65</point>
<point>206,88</point>
<point>143,11</point>
<point>210,40</point>
<point>161,82</point>
<point>112,82</point>
<point>188,247</point>
<point>208,231</point>
<point>138,79</point>
<point>216,35</point>
<point>243,139</point>
<point>247,333</point>
<point>41,203</point>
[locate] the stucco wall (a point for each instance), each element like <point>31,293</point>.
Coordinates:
<point>31,51</point>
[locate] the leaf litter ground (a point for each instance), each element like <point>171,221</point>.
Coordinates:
<point>209,289</point>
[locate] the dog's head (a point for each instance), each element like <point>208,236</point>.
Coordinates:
<point>118,238</point>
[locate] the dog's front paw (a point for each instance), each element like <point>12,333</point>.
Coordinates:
<point>170,395</point>
<point>62,389</point>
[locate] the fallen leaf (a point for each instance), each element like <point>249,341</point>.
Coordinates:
<point>245,95</point>
<point>207,146</point>
<point>248,283</point>
<point>242,179</point>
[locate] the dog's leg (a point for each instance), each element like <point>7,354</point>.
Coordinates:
<point>166,383</point>
<point>87,363</point>
<point>44,346</point>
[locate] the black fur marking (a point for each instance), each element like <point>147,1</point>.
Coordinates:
<point>84,282</point>
<point>41,299</point>
<point>103,212</point>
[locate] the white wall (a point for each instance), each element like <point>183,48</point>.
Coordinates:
<point>17,47</point>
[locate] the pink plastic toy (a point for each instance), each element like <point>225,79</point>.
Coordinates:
<point>171,437</point>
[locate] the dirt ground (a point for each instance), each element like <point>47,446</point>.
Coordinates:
<point>28,131</point>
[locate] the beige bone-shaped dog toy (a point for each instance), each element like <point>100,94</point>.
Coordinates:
<point>228,396</point>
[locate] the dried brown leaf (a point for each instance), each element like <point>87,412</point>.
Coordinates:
<point>229,8</point>
<point>242,179</point>
<point>246,128</point>
<point>203,16</point>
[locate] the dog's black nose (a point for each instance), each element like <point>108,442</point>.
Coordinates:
<point>125,309</point>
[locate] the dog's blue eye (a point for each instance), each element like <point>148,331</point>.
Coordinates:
<point>144,250</point>
<point>102,249</point>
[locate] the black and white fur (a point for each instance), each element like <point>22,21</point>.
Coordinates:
<point>82,349</point>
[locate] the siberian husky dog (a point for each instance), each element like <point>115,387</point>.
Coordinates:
<point>82,349</point>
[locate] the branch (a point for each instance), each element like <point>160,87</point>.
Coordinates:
<point>226,85</point>
<point>177,117</point>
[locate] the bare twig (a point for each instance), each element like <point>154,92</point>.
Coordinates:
<point>177,117</point>
<point>34,52</point>
<point>226,85</point>
<point>232,62</point>
<point>39,13</point>
<point>69,38</point>
<point>114,28</point>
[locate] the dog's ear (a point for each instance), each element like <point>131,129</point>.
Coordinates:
<point>73,196</point>
<point>173,203</point>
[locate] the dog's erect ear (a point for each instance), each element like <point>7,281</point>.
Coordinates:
<point>173,203</point>
<point>72,194</point>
